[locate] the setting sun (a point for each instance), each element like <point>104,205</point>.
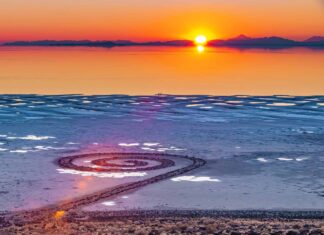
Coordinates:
<point>201,40</point>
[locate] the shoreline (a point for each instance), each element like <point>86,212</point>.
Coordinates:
<point>79,215</point>
<point>190,222</point>
<point>237,214</point>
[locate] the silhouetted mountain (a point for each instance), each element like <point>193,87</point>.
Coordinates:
<point>169,43</point>
<point>123,42</point>
<point>241,37</point>
<point>315,39</point>
<point>61,43</point>
<point>99,43</point>
<point>240,41</point>
<point>244,41</point>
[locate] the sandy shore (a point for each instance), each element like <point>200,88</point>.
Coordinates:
<point>171,225</point>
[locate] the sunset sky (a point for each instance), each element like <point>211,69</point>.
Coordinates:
<point>158,20</point>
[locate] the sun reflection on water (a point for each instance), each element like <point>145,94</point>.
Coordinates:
<point>200,48</point>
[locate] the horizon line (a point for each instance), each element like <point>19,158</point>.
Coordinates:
<point>156,40</point>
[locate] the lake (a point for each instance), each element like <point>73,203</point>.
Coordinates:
<point>254,117</point>
<point>153,70</point>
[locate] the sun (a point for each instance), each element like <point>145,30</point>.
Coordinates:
<point>200,40</point>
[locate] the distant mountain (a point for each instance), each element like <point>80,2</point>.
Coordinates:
<point>62,43</point>
<point>240,41</point>
<point>123,42</point>
<point>168,43</point>
<point>244,41</point>
<point>242,37</point>
<point>99,43</point>
<point>315,39</point>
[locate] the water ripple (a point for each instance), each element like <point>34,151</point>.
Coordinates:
<point>164,107</point>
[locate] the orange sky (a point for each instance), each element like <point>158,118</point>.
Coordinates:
<point>156,19</point>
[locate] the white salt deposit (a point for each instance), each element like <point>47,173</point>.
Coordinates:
<point>195,179</point>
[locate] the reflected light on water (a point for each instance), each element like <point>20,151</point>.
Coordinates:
<point>299,159</point>
<point>281,104</point>
<point>261,159</point>
<point>285,159</point>
<point>200,49</point>
<point>224,71</point>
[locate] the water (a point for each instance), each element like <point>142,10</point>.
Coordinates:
<point>262,152</point>
<point>153,70</point>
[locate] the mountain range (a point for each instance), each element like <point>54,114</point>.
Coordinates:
<point>267,42</point>
<point>240,41</point>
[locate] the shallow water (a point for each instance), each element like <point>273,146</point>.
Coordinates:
<point>262,152</point>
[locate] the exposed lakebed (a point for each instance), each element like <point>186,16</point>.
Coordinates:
<point>260,152</point>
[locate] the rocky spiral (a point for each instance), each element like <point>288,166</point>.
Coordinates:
<point>116,162</point>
